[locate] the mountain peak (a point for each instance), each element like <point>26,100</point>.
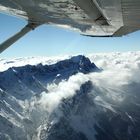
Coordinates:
<point>78,63</point>
<point>78,58</point>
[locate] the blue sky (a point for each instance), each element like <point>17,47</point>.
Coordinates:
<point>48,40</point>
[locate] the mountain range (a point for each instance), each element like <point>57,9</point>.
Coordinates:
<point>52,102</point>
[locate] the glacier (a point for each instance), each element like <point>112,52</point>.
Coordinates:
<point>70,98</point>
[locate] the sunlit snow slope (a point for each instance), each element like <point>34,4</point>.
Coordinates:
<point>71,99</point>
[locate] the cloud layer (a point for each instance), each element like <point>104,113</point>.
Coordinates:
<point>119,69</point>
<point>115,88</point>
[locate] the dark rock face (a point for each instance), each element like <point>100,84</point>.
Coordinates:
<point>62,131</point>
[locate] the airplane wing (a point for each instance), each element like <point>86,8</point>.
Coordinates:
<point>89,17</point>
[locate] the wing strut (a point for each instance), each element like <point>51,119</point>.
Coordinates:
<point>17,36</point>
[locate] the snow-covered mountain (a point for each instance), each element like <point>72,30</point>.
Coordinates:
<point>20,85</point>
<point>71,99</point>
